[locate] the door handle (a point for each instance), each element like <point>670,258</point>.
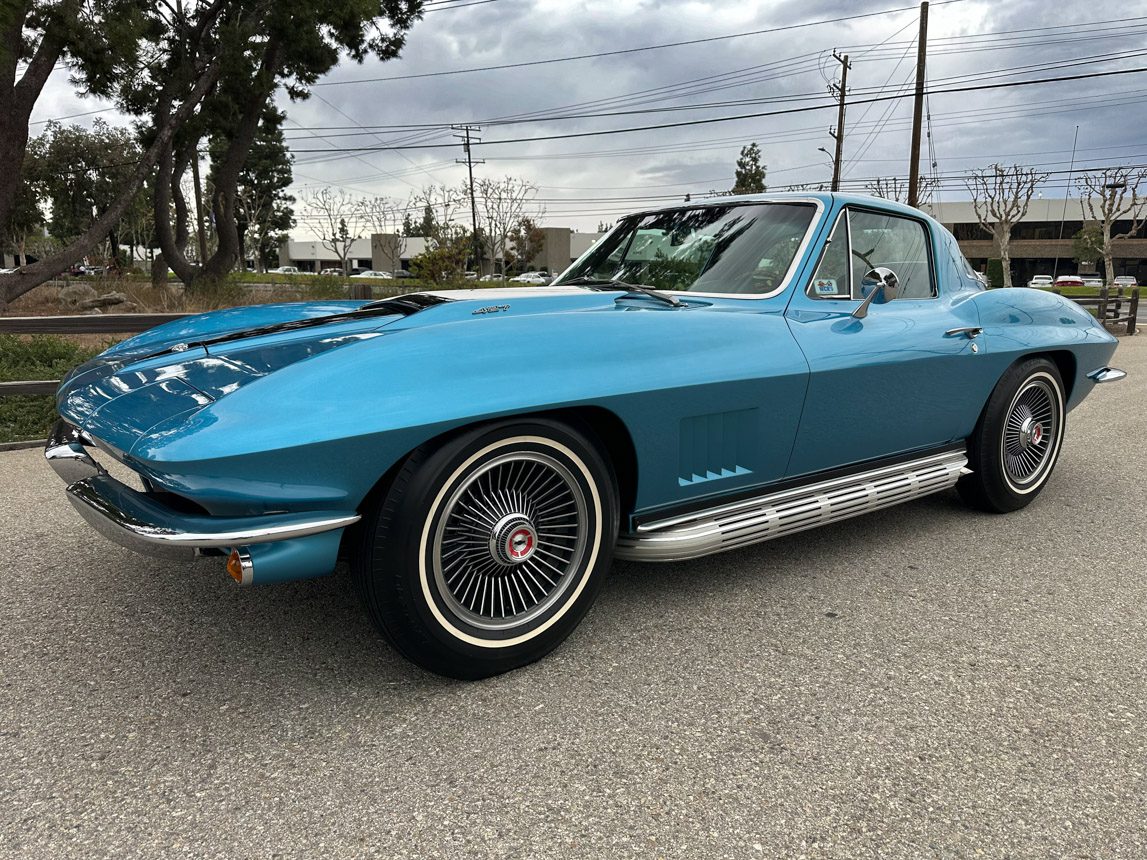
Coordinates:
<point>972,331</point>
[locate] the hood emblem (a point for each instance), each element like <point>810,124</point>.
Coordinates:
<point>179,347</point>
<point>489,309</point>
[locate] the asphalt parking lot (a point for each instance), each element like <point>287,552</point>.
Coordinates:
<point>922,682</point>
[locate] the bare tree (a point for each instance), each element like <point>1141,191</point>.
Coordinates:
<point>896,188</point>
<point>1001,196</point>
<point>1109,196</point>
<point>337,218</point>
<point>384,217</point>
<point>443,202</point>
<point>503,204</point>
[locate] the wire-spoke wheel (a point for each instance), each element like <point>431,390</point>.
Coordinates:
<point>1031,432</point>
<point>1017,440</point>
<point>511,535</point>
<point>485,552</point>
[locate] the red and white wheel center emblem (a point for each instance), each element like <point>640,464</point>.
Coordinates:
<point>1037,433</point>
<point>520,543</point>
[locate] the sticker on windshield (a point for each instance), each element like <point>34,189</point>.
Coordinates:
<point>825,286</point>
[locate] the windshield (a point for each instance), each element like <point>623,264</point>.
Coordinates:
<point>735,248</point>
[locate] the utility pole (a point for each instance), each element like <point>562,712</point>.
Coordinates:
<point>918,107</point>
<point>199,209</point>
<point>470,162</point>
<point>838,134</point>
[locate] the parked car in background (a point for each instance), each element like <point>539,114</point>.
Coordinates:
<point>1092,280</point>
<point>285,270</point>
<point>332,271</point>
<point>707,376</point>
<point>531,278</point>
<point>373,275</point>
<point>1126,281</point>
<point>1040,282</point>
<point>403,273</point>
<point>493,278</point>
<point>1068,281</point>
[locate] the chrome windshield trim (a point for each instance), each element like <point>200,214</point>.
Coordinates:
<point>798,257</point>
<point>1107,374</point>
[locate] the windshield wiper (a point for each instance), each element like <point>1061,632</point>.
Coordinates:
<point>604,285</point>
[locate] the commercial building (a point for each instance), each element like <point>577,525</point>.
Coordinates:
<point>386,252</point>
<point>1041,243</point>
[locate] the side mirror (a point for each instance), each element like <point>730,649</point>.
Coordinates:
<point>882,282</point>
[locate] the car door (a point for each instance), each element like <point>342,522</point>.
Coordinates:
<point>904,377</point>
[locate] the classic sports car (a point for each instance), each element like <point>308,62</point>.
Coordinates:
<point>706,376</point>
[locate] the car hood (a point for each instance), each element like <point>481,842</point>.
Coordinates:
<point>180,367</point>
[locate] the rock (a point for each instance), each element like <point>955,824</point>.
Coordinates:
<point>105,301</point>
<point>75,294</point>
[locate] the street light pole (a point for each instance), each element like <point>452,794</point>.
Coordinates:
<point>832,161</point>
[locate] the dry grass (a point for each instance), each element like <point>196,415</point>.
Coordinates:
<point>44,300</point>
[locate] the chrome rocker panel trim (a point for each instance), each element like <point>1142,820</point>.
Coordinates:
<point>771,516</point>
<point>140,523</point>
<point>1107,374</point>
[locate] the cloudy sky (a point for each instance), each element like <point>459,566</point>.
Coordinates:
<point>344,135</point>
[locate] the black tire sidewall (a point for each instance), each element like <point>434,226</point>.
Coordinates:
<point>399,579</point>
<point>990,487</point>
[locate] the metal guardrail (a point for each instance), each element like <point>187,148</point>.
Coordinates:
<point>85,323</point>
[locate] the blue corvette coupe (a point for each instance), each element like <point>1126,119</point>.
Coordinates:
<point>707,376</point>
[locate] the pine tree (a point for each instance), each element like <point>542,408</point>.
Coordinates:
<point>750,174</point>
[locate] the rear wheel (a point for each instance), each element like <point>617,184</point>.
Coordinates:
<point>1016,443</point>
<point>486,552</point>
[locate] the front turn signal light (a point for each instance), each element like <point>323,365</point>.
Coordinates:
<point>235,566</point>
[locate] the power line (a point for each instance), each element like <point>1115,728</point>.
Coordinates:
<point>984,75</point>
<point>624,51</point>
<point>757,115</point>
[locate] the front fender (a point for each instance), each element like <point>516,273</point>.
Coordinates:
<point>338,421</point>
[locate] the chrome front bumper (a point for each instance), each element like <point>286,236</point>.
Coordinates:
<point>141,523</point>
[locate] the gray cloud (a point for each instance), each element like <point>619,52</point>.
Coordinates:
<point>969,130</point>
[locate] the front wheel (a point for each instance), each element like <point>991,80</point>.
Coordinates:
<point>1016,442</point>
<point>486,552</point>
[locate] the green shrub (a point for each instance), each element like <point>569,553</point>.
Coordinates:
<point>995,273</point>
<point>40,356</point>
<point>26,417</point>
<point>32,358</point>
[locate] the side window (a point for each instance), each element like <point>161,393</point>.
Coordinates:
<point>831,280</point>
<point>896,243</point>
